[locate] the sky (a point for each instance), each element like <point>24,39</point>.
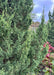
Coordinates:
<point>38,8</point>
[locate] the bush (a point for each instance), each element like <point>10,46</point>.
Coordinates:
<point>48,61</point>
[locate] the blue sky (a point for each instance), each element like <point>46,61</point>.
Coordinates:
<point>38,8</point>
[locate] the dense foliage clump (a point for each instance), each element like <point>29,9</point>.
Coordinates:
<point>51,29</point>
<point>22,10</point>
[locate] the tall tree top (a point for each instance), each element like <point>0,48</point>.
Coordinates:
<point>42,19</point>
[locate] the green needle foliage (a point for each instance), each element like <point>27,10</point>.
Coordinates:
<point>42,32</point>
<point>51,30</point>
<point>20,53</point>
<point>14,48</point>
<point>22,10</point>
<point>36,54</point>
<point>20,49</point>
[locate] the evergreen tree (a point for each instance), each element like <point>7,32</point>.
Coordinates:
<point>49,16</point>
<point>16,44</point>
<point>18,55</point>
<point>42,31</point>
<point>36,54</point>
<point>13,48</point>
<point>51,30</point>
<point>53,16</point>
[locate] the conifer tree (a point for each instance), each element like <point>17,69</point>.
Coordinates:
<point>18,55</point>
<point>13,48</point>
<point>42,31</point>
<point>49,16</point>
<point>36,55</point>
<point>16,44</point>
<point>51,31</point>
